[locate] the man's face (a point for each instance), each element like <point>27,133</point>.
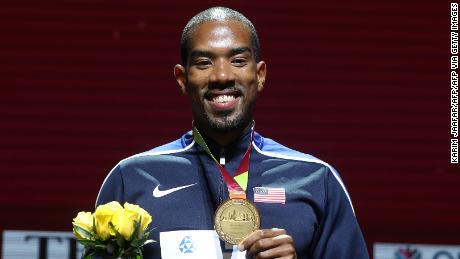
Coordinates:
<point>221,76</point>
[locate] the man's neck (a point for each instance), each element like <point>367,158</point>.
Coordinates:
<point>223,138</point>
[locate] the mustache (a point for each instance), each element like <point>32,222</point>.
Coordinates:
<point>223,89</point>
<point>225,85</point>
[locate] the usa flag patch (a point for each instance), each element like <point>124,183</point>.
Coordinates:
<point>269,195</point>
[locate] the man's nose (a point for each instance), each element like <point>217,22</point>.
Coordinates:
<point>222,72</point>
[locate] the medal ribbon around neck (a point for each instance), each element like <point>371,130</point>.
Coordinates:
<point>238,184</point>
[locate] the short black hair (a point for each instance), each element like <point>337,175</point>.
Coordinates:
<point>218,14</point>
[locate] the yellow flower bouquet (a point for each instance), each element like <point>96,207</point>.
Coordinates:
<point>113,231</point>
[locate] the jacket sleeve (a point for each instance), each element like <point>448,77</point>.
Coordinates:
<point>112,188</point>
<point>339,235</point>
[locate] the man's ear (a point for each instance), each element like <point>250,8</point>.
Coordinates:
<point>179,74</point>
<point>261,75</point>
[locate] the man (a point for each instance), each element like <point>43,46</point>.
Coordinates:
<point>181,183</point>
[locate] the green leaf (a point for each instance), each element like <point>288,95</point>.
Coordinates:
<point>87,242</point>
<point>136,243</point>
<point>89,252</point>
<point>101,247</point>
<point>137,226</point>
<point>120,240</point>
<point>81,230</point>
<point>94,225</point>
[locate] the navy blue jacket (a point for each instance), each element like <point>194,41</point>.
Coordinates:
<point>318,213</point>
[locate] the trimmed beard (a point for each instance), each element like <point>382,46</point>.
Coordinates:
<point>224,124</point>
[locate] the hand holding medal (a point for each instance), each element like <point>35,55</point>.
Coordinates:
<point>268,243</point>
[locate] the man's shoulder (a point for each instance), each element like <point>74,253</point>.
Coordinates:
<point>272,148</point>
<point>184,143</point>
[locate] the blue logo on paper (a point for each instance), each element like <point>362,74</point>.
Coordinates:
<point>186,245</point>
<point>408,253</point>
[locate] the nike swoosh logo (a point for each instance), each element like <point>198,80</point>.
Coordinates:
<point>157,193</point>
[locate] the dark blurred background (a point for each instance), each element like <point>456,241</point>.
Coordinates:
<point>364,86</point>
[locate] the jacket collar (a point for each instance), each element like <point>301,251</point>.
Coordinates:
<point>240,144</point>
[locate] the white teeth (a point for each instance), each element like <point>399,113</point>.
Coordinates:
<point>223,98</point>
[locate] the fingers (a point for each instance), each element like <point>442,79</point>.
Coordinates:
<point>258,235</point>
<point>268,243</point>
<point>281,251</point>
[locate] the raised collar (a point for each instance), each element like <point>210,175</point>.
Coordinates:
<point>242,141</point>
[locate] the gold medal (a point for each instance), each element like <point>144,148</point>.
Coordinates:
<point>235,219</point>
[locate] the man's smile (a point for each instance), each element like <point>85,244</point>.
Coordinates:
<point>223,100</point>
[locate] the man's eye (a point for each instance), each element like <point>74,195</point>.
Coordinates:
<point>239,61</point>
<point>203,63</point>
